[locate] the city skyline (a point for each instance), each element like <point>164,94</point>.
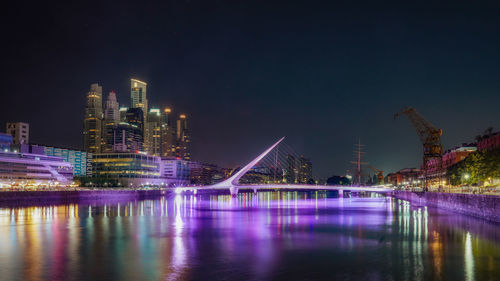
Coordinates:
<point>323,83</point>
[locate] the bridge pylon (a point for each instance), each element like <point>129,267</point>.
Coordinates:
<point>232,182</point>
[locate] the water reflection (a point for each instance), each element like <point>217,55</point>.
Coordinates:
<point>271,235</point>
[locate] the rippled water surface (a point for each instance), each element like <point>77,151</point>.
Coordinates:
<point>269,236</point>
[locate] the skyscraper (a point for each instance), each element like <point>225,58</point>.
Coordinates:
<point>111,119</point>
<point>183,140</point>
<point>111,112</point>
<point>153,133</point>
<point>168,134</point>
<point>138,96</point>
<point>92,123</point>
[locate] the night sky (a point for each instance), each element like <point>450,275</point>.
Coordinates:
<point>248,72</point>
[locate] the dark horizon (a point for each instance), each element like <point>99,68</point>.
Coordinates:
<point>324,75</point>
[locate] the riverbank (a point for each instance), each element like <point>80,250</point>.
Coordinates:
<point>18,198</point>
<point>480,206</point>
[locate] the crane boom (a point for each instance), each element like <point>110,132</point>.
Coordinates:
<point>429,135</point>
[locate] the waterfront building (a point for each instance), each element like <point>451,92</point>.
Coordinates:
<point>167,134</point>
<point>78,159</point>
<point>202,173</point>
<point>457,154</point>
<point>152,138</point>
<point>175,172</point>
<point>405,177</point>
<point>92,124</point>
<point>138,96</point>
<point>489,141</point>
<point>183,139</point>
<point>25,169</point>
<point>129,169</point>
<point>19,131</point>
<point>305,174</point>
<point>5,141</point>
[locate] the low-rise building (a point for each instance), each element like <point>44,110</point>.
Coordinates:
<point>457,154</point>
<point>129,169</point>
<point>175,171</point>
<point>405,177</point>
<point>26,169</point>
<point>80,160</point>
<point>489,141</point>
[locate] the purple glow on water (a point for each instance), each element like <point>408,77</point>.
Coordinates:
<point>271,235</point>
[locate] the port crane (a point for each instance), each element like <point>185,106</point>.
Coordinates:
<point>380,174</point>
<point>429,135</point>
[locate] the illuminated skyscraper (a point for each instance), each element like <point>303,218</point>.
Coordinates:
<point>111,112</point>
<point>168,134</point>
<point>183,140</point>
<point>92,123</point>
<point>138,96</point>
<point>111,119</point>
<point>153,133</point>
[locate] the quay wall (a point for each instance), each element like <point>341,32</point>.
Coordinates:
<point>481,206</point>
<point>74,196</point>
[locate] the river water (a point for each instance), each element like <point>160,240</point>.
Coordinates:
<point>268,236</point>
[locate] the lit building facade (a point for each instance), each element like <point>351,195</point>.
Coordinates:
<point>457,154</point>
<point>138,97</point>
<point>129,169</point>
<point>175,172</point>
<point>182,149</point>
<point>5,141</point>
<point>168,134</point>
<point>127,138</point>
<point>92,123</point>
<point>405,177</point>
<point>305,174</point>
<point>152,139</point>
<point>79,160</point>
<point>24,169</point>
<point>111,119</point>
<point>489,141</point>
<point>19,131</point>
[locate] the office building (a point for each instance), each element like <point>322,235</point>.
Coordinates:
<point>138,96</point>
<point>183,139</point>
<point>111,119</point>
<point>127,138</point>
<point>168,134</point>
<point>123,114</point>
<point>129,169</point>
<point>305,174</point>
<point>19,131</point>
<point>175,172</point>
<point>92,124</point>
<point>152,138</point>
